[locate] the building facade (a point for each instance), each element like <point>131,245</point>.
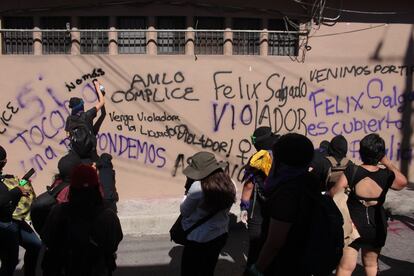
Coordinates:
<point>185,76</point>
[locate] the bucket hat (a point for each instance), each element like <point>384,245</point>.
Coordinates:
<point>202,164</point>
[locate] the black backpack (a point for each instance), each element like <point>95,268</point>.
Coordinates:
<point>81,136</point>
<point>325,242</point>
<point>42,204</point>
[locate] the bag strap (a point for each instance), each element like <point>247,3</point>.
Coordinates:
<point>351,181</point>
<point>58,188</point>
<point>344,161</point>
<point>200,222</point>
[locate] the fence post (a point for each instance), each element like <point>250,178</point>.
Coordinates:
<point>112,37</point>
<point>228,38</point>
<point>151,37</point>
<point>37,37</point>
<point>264,38</point>
<point>75,36</point>
<point>189,37</point>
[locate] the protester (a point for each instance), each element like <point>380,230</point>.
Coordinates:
<point>80,127</point>
<point>108,181</point>
<point>287,217</point>
<point>253,195</point>
<point>212,192</point>
<point>15,231</point>
<point>368,190</point>
<point>81,236</point>
<point>335,161</point>
<point>318,161</point>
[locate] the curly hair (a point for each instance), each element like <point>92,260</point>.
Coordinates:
<point>219,191</point>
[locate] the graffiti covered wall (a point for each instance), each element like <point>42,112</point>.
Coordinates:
<point>161,110</point>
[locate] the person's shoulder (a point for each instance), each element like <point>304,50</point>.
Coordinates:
<point>195,187</point>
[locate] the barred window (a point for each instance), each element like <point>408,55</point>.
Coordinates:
<point>133,42</point>
<point>246,43</point>
<point>94,42</point>
<point>171,42</point>
<point>55,42</point>
<point>18,42</point>
<point>209,43</point>
<point>282,44</point>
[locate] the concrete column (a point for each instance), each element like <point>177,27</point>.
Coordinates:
<point>1,36</point>
<point>189,37</point>
<point>75,36</point>
<point>151,37</point>
<point>112,36</point>
<point>37,38</point>
<point>264,38</point>
<point>228,38</point>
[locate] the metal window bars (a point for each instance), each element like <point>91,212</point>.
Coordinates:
<point>283,44</point>
<point>209,43</point>
<point>94,42</point>
<point>246,43</point>
<point>17,42</point>
<point>56,42</point>
<point>171,42</point>
<point>206,42</point>
<point>132,42</point>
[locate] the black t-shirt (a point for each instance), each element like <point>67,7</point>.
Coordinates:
<point>89,115</point>
<point>291,202</point>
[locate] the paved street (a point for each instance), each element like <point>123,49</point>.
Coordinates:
<point>156,255</point>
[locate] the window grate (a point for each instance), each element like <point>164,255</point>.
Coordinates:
<point>171,42</point>
<point>55,42</point>
<point>94,42</point>
<point>208,42</point>
<point>134,41</point>
<point>246,43</point>
<point>16,42</point>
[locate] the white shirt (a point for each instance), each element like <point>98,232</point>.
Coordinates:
<point>191,212</point>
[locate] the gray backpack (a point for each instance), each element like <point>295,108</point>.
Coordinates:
<point>335,171</point>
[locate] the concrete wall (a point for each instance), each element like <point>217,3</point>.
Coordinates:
<point>164,107</point>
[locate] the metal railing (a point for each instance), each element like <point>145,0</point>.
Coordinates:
<point>283,45</point>
<point>56,42</point>
<point>17,42</point>
<point>209,43</point>
<point>171,42</point>
<point>134,41</point>
<point>94,42</point>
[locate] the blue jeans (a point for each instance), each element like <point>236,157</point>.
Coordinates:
<point>13,234</point>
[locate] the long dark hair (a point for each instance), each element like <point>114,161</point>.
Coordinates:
<point>219,191</point>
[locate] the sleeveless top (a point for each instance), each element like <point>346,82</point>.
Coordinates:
<point>370,221</point>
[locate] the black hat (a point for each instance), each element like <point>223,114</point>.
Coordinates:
<point>338,147</point>
<point>263,138</point>
<point>3,154</point>
<point>294,149</point>
<point>201,165</point>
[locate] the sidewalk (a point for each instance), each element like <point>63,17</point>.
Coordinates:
<point>155,216</point>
